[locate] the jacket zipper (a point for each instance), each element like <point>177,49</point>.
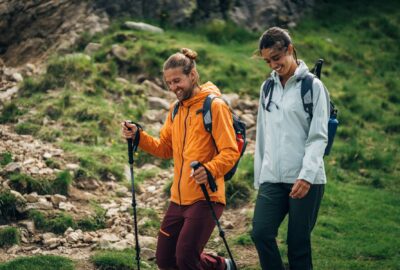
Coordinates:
<point>183,147</point>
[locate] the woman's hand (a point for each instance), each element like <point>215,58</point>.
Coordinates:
<point>200,175</point>
<point>128,130</point>
<point>300,189</point>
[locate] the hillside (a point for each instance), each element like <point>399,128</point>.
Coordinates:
<point>61,136</point>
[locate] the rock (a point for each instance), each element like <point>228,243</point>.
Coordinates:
<point>231,98</point>
<point>72,167</point>
<point>42,204</point>
<point>120,52</point>
<point>151,116</point>
<point>143,27</point>
<point>12,167</point>
<point>157,103</point>
<point>112,212</point>
<point>248,119</point>
<point>156,91</point>
<point>147,241</point>
<point>29,225</point>
<point>18,195</point>
<point>47,236</point>
<point>17,77</point>
<point>122,80</point>
<point>121,245</point>
<point>47,155</point>
<point>31,197</point>
<point>74,237</point>
<point>147,253</point>
<point>54,242</point>
<point>67,206</point>
<point>8,94</point>
<point>14,249</point>
<point>91,48</point>
<point>110,237</point>
<point>57,198</point>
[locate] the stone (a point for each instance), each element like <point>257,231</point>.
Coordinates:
<point>92,47</point>
<point>31,197</point>
<point>57,198</point>
<point>67,206</point>
<point>120,52</point>
<point>28,224</point>
<point>156,103</point>
<point>12,167</point>
<point>143,27</point>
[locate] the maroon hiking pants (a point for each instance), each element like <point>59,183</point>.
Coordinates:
<point>184,233</point>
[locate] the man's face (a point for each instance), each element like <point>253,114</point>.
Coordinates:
<point>181,84</point>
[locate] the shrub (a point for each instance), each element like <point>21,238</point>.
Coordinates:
<point>121,260</point>
<point>9,236</point>
<point>220,32</point>
<point>26,184</point>
<point>244,240</point>
<point>9,113</point>
<point>38,218</point>
<point>62,182</point>
<point>8,206</point>
<point>60,223</point>
<point>237,193</point>
<point>40,262</point>
<point>5,158</point>
<point>27,128</point>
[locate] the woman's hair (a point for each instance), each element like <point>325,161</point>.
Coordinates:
<point>276,38</point>
<point>184,59</point>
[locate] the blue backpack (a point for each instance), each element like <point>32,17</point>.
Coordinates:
<point>307,99</point>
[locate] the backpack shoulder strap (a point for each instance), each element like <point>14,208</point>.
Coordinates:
<point>207,116</point>
<point>268,85</point>
<point>175,111</point>
<point>307,93</point>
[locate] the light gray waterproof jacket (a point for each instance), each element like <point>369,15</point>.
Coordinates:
<point>288,145</point>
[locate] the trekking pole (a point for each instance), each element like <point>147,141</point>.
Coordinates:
<point>132,147</point>
<point>195,165</point>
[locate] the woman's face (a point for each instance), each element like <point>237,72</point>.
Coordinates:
<point>279,60</point>
<point>180,84</point>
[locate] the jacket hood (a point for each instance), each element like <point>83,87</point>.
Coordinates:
<point>205,90</point>
<point>300,72</point>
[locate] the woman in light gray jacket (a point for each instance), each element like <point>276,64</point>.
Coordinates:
<point>288,168</point>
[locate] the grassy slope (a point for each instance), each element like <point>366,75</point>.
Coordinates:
<point>358,226</point>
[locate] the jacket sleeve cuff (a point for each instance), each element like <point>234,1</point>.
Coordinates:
<point>307,175</point>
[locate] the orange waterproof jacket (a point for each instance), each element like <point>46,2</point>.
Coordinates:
<point>185,140</point>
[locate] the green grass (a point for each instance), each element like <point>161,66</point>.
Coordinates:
<point>40,262</point>
<point>359,215</point>
<point>121,260</point>
<point>5,158</point>
<point>9,236</point>
<point>8,206</point>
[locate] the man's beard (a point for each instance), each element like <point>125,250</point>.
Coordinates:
<point>188,93</point>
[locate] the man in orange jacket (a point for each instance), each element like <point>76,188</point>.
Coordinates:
<point>188,223</point>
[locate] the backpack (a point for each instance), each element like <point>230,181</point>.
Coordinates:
<point>238,125</point>
<point>307,99</point>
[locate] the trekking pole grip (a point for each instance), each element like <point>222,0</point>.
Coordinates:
<point>130,146</point>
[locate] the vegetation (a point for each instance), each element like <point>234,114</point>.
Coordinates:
<point>5,158</point>
<point>359,216</point>
<point>40,262</point>
<point>121,260</point>
<point>9,236</point>
<point>27,184</point>
<point>60,222</point>
<point>9,204</point>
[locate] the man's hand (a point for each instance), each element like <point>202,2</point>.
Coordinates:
<point>200,175</point>
<point>128,130</point>
<point>300,189</point>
